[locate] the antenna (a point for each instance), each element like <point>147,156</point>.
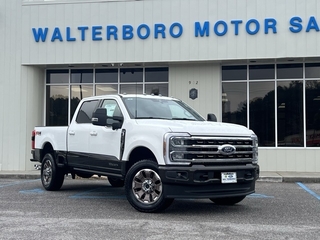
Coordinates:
<point>136,110</point>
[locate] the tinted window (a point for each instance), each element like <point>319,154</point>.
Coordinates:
<point>57,76</point>
<point>257,72</point>
<point>85,112</point>
<point>289,71</point>
<point>234,73</point>
<point>82,76</point>
<point>157,75</point>
<point>106,75</point>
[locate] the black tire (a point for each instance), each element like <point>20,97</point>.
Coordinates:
<point>51,176</point>
<point>116,182</point>
<point>228,200</point>
<point>144,188</point>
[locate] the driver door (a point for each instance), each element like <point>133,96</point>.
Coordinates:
<point>105,143</point>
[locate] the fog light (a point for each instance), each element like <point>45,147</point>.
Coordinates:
<point>177,155</point>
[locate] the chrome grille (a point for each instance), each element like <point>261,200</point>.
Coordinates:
<point>206,149</point>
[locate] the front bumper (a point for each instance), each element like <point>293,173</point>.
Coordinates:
<point>199,181</point>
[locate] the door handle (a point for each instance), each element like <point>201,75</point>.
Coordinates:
<point>72,133</point>
<point>93,133</point>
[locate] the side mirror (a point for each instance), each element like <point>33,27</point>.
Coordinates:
<point>118,122</point>
<point>211,117</point>
<point>116,125</point>
<point>99,117</point>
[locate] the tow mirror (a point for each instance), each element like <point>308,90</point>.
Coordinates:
<point>99,117</point>
<point>211,117</point>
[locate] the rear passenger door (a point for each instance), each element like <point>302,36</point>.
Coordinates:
<point>79,134</point>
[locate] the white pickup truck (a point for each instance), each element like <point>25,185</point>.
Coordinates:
<point>157,147</point>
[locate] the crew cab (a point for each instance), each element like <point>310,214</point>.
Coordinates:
<point>157,148</point>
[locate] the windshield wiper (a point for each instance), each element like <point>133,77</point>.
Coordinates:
<point>188,119</point>
<point>153,118</point>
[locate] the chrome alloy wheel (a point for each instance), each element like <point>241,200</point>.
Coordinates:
<point>47,172</point>
<point>147,186</point>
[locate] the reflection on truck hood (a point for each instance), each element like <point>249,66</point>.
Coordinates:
<point>197,127</point>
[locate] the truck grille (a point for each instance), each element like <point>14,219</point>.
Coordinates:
<point>211,149</point>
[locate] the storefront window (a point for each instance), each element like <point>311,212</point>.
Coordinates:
<point>57,76</point>
<point>157,75</point>
<point>82,76</point>
<point>313,113</point>
<point>277,108</point>
<point>129,75</point>
<point>257,72</point>
<point>57,105</point>
<point>290,113</point>
<point>312,70</point>
<point>106,89</point>
<point>262,114</point>
<point>131,88</point>
<point>157,89</point>
<point>234,103</point>
<point>289,71</point>
<point>230,73</point>
<point>107,76</point>
<point>79,92</point>
<point>64,91</point>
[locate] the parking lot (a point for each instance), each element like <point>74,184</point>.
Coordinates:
<point>92,209</point>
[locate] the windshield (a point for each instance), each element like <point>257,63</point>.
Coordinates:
<point>156,108</point>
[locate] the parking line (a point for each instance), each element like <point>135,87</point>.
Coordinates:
<point>17,183</point>
<point>308,190</point>
<point>90,195</point>
<point>36,190</point>
<point>256,195</point>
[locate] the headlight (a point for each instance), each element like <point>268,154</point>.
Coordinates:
<point>173,148</point>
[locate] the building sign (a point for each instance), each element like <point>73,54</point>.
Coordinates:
<point>159,30</point>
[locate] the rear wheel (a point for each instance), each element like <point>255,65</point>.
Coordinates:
<point>116,182</point>
<point>144,188</point>
<point>51,176</point>
<point>228,200</point>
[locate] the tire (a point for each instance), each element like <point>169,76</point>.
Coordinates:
<point>228,201</point>
<point>116,182</point>
<point>144,188</point>
<point>51,176</point>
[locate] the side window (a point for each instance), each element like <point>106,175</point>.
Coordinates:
<point>113,110</point>
<point>85,112</point>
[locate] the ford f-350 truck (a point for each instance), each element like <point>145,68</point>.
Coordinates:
<point>157,147</point>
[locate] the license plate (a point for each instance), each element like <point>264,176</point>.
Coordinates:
<point>228,177</point>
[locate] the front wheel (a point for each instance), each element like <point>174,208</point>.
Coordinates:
<point>51,176</point>
<point>228,200</point>
<point>144,188</point>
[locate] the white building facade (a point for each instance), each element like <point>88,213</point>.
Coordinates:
<point>255,63</point>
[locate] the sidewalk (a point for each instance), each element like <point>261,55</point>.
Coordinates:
<point>305,177</point>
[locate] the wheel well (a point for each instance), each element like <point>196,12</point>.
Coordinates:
<point>139,153</point>
<point>47,148</point>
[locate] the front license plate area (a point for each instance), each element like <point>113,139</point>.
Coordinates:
<point>228,177</point>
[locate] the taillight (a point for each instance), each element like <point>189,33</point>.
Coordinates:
<point>33,138</point>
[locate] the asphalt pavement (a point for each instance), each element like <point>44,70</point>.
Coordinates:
<point>265,176</point>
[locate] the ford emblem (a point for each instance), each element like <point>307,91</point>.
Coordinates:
<point>226,149</point>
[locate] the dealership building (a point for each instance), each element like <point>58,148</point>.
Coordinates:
<point>254,63</point>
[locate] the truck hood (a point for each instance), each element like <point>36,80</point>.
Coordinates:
<point>197,127</point>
